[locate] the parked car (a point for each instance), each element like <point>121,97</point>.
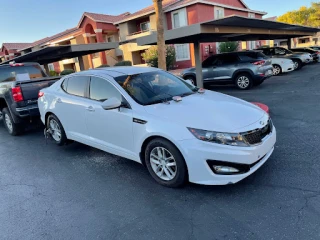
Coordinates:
<point>282,65</point>
<point>299,59</point>
<point>314,53</point>
<point>19,87</point>
<point>244,69</point>
<point>179,132</point>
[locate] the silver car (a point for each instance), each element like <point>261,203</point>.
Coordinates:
<point>244,69</point>
<point>299,58</point>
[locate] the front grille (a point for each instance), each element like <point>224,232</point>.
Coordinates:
<point>256,136</point>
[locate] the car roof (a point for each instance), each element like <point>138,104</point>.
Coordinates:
<point>118,71</point>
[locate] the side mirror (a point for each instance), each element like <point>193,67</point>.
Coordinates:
<point>111,103</point>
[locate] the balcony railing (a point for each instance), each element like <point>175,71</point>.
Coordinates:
<point>139,34</point>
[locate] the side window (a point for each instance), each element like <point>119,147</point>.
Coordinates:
<point>247,56</point>
<point>64,84</point>
<point>101,90</point>
<point>77,85</point>
<point>280,51</point>
<point>227,59</point>
<point>209,62</point>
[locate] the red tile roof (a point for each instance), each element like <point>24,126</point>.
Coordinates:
<point>48,39</point>
<point>97,17</point>
<point>15,46</point>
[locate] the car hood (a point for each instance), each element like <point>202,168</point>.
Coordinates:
<point>209,111</point>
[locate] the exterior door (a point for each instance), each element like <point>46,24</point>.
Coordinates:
<point>70,106</point>
<point>110,130</point>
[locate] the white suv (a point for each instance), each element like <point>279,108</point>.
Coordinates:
<point>179,132</point>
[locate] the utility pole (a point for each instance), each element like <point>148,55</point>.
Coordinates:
<point>160,36</point>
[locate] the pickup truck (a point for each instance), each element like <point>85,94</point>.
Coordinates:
<point>19,87</point>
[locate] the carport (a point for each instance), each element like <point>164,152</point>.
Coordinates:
<point>232,28</point>
<point>52,54</point>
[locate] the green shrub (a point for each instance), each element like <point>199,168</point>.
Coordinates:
<point>151,56</point>
<point>103,66</point>
<point>226,47</point>
<point>53,73</point>
<point>124,63</point>
<point>66,72</point>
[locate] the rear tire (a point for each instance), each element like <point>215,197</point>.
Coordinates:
<point>243,81</point>
<point>13,128</point>
<point>58,134</point>
<point>165,163</point>
<point>192,79</point>
<point>277,70</point>
<point>297,64</point>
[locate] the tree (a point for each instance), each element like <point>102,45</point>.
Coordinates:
<point>303,16</point>
<point>160,36</point>
<point>228,47</point>
<point>151,56</point>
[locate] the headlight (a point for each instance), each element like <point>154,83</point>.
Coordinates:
<point>232,139</point>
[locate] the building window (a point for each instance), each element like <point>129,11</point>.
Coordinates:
<point>109,38</point>
<point>179,18</point>
<point>251,15</point>
<point>51,67</point>
<point>218,12</point>
<point>252,45</point>
<point>145,26</point>
<point>182,52</point>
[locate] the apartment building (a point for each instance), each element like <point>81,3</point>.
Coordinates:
<point>126,28</point>
<point>179,13</point>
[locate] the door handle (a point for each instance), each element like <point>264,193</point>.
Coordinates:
<point>59,100</point>
<point>90,109</point>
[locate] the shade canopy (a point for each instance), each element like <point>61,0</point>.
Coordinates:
<point>232,28</point>
<point>57,53</point>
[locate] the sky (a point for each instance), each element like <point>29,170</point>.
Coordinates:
<point>31,20</point>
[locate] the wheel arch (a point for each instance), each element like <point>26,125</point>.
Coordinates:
<point>148,140</point>
<point>236,73</point>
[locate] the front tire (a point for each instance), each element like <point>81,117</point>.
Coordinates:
<point>297,64</point>
<point>244,81</point>
<point>165,163</point>
<point>12,128</point>
<point>56,130</point>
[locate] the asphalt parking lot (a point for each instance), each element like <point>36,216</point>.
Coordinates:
<point>77,192</point>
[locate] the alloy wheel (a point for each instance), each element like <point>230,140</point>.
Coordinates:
<point>8,123</point>
<point>163,163</point>
<point>55,130</point>
<point>296,65</point>
<point>243,82</point>
<point>276,70</point>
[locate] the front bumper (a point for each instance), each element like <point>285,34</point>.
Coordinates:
<point>197,153</point>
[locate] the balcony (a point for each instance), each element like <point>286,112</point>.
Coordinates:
<point>69,61</point>
<point>139,34</point>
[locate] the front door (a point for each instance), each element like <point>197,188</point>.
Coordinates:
<point>110,130</point>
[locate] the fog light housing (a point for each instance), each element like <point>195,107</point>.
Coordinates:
<point>225,169</point>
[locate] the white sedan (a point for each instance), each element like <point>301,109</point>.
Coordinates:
<point>179,132</point>
<point>282,65</point>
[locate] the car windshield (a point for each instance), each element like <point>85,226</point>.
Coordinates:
<point>154,87</point>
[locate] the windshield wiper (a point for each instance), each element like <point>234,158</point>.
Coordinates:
<point>187,94</point>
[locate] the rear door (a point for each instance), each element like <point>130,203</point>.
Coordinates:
<point>225,66</point>
<point>70,106</point>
